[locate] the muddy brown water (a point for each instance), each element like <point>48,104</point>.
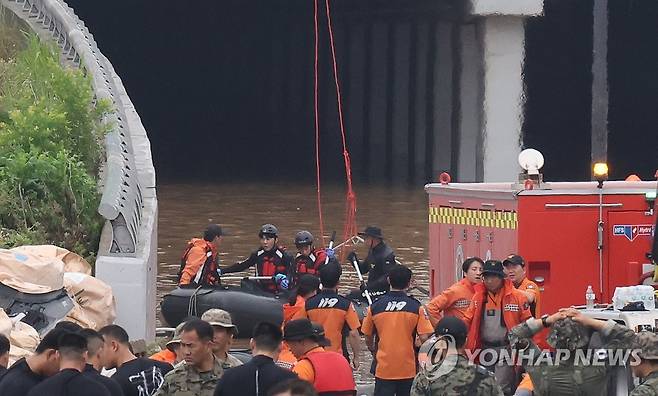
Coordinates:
<point>186,209</point>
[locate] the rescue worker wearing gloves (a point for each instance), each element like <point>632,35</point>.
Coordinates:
<point>569,334</point>
<point>378,263</point>
<point>329,372</point>
<point>395,320</point>
<point>647,370</point>
<point>452,373</point>
<point>199,262</point>
<point>455,300</point>
<point>515,270</point>
<point>496,308</point>
<point>309,259</point>
<point>270,260</point>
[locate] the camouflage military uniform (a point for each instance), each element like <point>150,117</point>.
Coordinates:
<point>230,361</point>
<point>568,376</point>
<point>464,379</point>
<point>648,344</point>
<point>185,380</point>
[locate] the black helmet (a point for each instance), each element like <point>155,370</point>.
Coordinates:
<point>303,238</point>
<point>268,229</point>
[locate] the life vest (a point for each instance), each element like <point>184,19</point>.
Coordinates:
<point>270,264</point>
<point>207,272</point>
<point>310,264</point>
<point>333,374</point>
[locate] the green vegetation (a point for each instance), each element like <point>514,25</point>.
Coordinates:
<point>51,132</point>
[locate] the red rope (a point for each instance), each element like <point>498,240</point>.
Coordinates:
<point>350,207</point>
<point>317,125</point>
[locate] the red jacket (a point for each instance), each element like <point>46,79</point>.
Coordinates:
<point>514,305</point>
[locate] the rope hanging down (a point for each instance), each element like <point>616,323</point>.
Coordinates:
<point>349,229</point>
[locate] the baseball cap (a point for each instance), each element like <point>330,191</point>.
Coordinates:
<point>514,259</point>
<point>647,342</point>
<point>451,325</point>
<point>176,338</point>
<point>219,317</point>
<point>493,267</point>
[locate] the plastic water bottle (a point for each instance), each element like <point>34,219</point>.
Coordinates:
<point>589,297</point>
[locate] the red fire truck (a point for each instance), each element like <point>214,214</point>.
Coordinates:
<point>571,234</point>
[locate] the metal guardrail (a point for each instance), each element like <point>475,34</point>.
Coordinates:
<point>129,168</point>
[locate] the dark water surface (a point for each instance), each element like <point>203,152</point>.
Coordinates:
<point>186,209</point>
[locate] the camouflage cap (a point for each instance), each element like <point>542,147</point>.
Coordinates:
<point>647,342</point>
<point>175,340</point>
<point>219,317</point>
<point>567,334</point>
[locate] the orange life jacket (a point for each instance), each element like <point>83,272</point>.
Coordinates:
<point>514,306</point>
<point>207,271</point>
<point>333,374</point>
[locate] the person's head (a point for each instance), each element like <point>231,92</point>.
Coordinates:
<point>269,235</point>
<point>304,242</point>
<point>302,335</point>
<point>647,343</point>
<point>46,356</point>
<point>266,339</point>
<point>307,286</point>
<point>4,351</point>
<point>472,268</point>
<point>72,351</point>
<point>399,277</point>
<point>223,330</point>
<point>174,344</point>
<point>330,275</point>
<point>373,236</point>
<point>568,334</point>
<point>214,234</point>
<point>71,327</point>
<point>116,345</point>
<point>453,327</point>
<point>294,387</point>
<point>196,342</point>
<point>515,268</point>
<point>493,275</point>
<point>95,346</point>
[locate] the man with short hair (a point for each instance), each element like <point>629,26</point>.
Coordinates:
<point>515,270</point>
<point>453,373</point>
<point>454,301</point>
<point>647,370</point>
<point>224,330</point>
<point>27,372</point>
<point>328,371</point>
<point>380,259</point>
<point>496,308</point>
<point>92,370</point>
<point>395,319</point>
<point>199,372</point>
<point>136,376</point>
<point>70,381</point>
<point>334,312</point>
<point>4,353</point>
<point>198,265</point>
<point>295,387</point>
<point>259,374</point>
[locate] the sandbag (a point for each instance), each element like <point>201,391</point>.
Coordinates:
<point>94,298</point>
<point>72,261</point>
<point>30,273</point>
<point>5,323</point>
<point>24,340</point>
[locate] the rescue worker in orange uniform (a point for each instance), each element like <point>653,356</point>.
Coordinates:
<point>455,300</point>
<point>307,287</point>
<point>328,371</point>
<point>394,321</point>
<point>270,260</point>
<point>496,308</point>
<point>309,259</point>
<point>199,262</point>
<point>515,270</point>
<point>334,312</point>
